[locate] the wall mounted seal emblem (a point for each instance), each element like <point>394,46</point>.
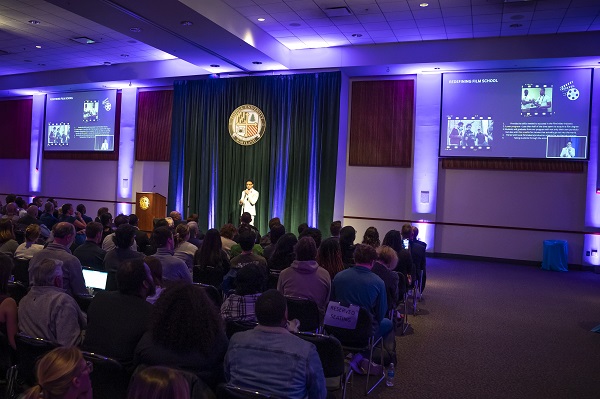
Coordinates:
<point>247,124</point>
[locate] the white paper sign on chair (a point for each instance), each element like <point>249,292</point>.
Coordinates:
<point>341,316</point>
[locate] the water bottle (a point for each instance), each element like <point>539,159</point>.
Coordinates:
<point>389,378</point>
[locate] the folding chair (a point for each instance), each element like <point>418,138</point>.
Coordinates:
<point>332,358</point>
<point>232,327</point>
<point>21,271</point>
<point>212,292</point>
<point>109,378</point>
<point>29,350</point>
<point>306,311</point>
<point>273,279</point>
<point>84,300</point>
<point>207,275</point>
<point>402,305</point>
<point>357,340</point>
<point>16,291</point>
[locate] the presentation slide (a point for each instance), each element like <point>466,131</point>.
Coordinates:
<point>81,121</point>
<point>516,114</point>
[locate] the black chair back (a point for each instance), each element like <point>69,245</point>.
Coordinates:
<point>208,275</point>
<point>306,311</point>
<point>212,292</point>
<point>109,378</point>
<point>330,352</point>
<point>359,336</point>
<point>231,392</point>
<point>273,279</point>
<point>111,281</point>
<point>16,291</point>
<point>21,271</point>
<point>29,350</point>
<point>84,300</point>
<point>7,354</point>
<point>232,327</point>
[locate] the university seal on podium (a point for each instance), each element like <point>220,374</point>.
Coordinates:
<point>144,202</point>
<point>247,125</point>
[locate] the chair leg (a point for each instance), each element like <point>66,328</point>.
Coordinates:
<point>11,380</point>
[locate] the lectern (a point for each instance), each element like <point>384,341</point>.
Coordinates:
<point>148,207</point>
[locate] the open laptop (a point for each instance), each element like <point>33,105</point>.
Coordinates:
<point>95,279</point>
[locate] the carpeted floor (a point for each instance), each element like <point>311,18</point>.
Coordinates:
<point>492,330</point>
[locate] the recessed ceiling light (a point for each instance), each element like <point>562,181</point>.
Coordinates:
<point>186,23</point>
<point>436,68</point>
<point>132,41</point>
<point>125,55</point>
<point>424,5</point>
<point>295,24</point>
<point>261,20</point>
<point>515,25</point>
<point>42,64</point>
<point>107,63</point>
<point>215,65</point>
<point>83,40</point>
<point>34,22</point>
<point>256,62</point>
<point>357,35</point>
<point>38,46</point>
<point>135,29</point>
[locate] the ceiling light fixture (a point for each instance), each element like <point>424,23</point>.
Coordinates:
<point>107,63</point>
<point>215,65</point>
<point>83,40</point>
<point>261,20</point>
<point>186,23</point>
<point>135,29</point>
<point>357,35</point>
<point>125,55</point>
<point>424,5</point>
<point>295,24</point>
<point>34,22</point>
<point>38,46</point>
<point>256,62</point>
<point>515,25</point>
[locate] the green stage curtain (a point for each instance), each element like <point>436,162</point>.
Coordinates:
<point>293,166</point>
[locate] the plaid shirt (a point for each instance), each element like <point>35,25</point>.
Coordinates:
<point>239,308</point>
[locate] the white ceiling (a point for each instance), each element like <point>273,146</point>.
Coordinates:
<point>225,37</point>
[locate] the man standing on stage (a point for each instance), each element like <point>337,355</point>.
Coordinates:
<point>248,200</point>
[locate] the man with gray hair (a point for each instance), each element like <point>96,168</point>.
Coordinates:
<point>47,311</point>
<point>64,235</point>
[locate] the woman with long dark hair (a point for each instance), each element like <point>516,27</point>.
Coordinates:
<point>330,257</point>
<point>283,256</point>
<point>8,244</point>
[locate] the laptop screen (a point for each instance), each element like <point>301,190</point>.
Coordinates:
<point>95,278</point>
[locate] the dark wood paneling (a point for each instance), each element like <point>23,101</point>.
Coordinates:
<point>153,136</point>
<point>15,134</point>
<point>94,155</point>
<point>514,164</point>
<point>381,123</point>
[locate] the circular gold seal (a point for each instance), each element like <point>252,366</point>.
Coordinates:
<point>247,124</point>
<point>144,202</point>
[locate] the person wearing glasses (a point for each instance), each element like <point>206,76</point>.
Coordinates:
<point>62,373</point>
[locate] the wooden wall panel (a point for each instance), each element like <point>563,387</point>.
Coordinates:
<point>94,155</point>
<point>382,123</point>
<point>540,165</point>
<point>153,135</point>
<point>15,134</point>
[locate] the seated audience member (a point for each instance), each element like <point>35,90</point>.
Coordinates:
<point>141,237</point>
<point>387,260</point>
<point>11,212</point>
<point>82,210</point>
<point>423,245</point>
<point>247,257</point>
<point>55,207</point>
<point>246,220</point>
<point>417,251</point>
<point>283,255</point>
<point>194,234</point>
<point>29,247</point>
<point>69,215</point>
<point>174,269</point>
<point>8,306</point>
<point>106,220</point>
<point>334,229</point>
<point>21,206</point>
<point>329,256</point>
<point>118,319</point>
<point>302,227</point>
<point>371,237</point>
<point>32,218</point>
<point>47,218</point>
<point>248,284</point>
<point>158,382</point>
<point>211,253</point>
<point>101,211</point>
<point>156,272</point>
<point>47,311</point>
<point>314,233</point>
<point>62,373</point>
<point>90,253</point>
<point>72,276</point>
<point>187,333</point>
<point>8,199</point>
<point>227,232</point>
<point>393,239</point>
<point>183,249</point>
<point>347,237</point>
<point>277,231</point>
<point>304,278</point>
<point>8,244</point>
<point>108,243</point>
<point>122,239</point>
<point>358,285</point>
<point>176,217</point>
<point>292,364</point>
<point>237,249</point>
<point>266,239</point>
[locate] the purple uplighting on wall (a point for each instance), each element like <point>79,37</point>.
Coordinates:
<point>126,148</point>
<point>37,141</point>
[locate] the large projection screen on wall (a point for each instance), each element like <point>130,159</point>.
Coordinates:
<point>80,121</point>
<point>516,114</point>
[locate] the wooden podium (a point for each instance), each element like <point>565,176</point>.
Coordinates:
<point>148,207</point>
